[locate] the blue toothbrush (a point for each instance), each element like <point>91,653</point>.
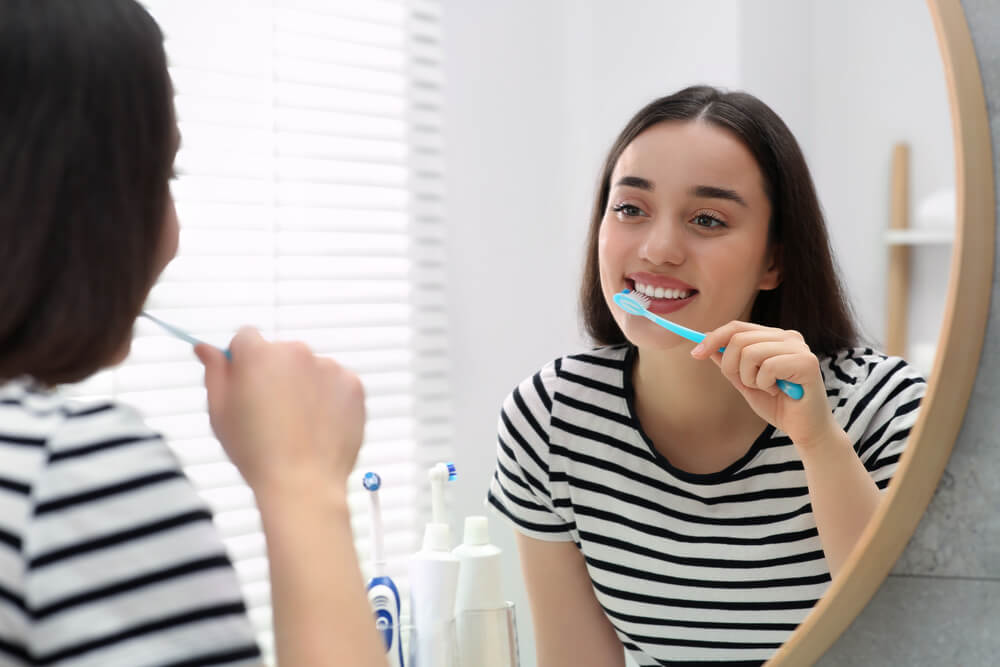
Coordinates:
<point>180,333</point>
<point>635,303</point>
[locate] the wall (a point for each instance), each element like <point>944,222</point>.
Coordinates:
<point>850,79</point>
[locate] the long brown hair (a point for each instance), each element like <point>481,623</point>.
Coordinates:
<point>810,298</point>
<point>85,155</point>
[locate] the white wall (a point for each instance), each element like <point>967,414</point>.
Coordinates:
<point>537,91</point>
<point>878,79</point>
<point>509,264</point>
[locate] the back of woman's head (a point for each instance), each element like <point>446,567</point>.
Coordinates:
<point>86,149</point>
<point>810,298</point>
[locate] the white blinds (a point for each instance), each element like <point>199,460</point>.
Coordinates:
<point>310,194</point>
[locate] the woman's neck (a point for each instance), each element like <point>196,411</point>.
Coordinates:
<point>691,412</point>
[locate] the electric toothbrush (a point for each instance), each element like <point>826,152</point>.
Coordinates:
<point>434,583</point>
<point>382,592</point>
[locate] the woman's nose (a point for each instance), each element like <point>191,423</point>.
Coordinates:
<point>664,243</point>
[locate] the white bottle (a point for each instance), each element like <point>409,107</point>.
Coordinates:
<point>433,583</point>
<point>485,627</point>
<point>479,579</point>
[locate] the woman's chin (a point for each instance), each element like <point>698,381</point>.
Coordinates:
<point>646,335</point>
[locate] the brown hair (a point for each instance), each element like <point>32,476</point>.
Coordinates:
<point>810,298</point>
<point>85,157</point>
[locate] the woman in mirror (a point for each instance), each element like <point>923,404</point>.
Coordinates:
<point>669,498</point>
<point>107,554</point>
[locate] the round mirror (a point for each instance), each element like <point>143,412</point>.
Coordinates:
<point>537,93</point>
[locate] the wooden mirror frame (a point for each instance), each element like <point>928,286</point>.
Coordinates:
<point>959,348</point>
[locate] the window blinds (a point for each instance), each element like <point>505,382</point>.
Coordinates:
<point>310,195</point>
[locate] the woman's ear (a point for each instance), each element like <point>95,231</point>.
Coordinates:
<point>772,276</point>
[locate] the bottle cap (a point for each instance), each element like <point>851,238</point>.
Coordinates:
<point>477,531</point>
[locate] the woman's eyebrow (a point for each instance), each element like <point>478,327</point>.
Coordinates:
<point>715,192</point>
<point>635,182</point>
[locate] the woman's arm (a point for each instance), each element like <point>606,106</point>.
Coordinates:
<point>843,495</point>
<point>571,629</point>
<point>292,423</point>
<point>321,612</point>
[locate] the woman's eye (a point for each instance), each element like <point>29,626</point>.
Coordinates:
<point>708,221</point>
<point>628,210</point>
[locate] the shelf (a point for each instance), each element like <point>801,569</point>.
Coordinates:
<point>919,236</point>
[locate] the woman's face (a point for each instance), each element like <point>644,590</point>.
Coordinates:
<point>171,226</point>
<point>170,237</point>
<point>166,250</point>
<point>686,224</point>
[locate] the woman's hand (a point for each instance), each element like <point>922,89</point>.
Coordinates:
<point>289,420</point>
<point>755,358</point>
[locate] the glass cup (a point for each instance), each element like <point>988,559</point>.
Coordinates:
<point>488,637</point>
<point>441,652</point>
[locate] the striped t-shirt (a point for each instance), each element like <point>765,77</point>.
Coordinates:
<point>107,554</point>
<point>689,568</point>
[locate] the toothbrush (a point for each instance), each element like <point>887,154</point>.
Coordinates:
<point>438,475</point>
<point>434,572</point>
<point>180,333</point>
<point>634,303</point>
<point>382,592</point>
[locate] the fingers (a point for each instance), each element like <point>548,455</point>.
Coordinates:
<point>245,342</point>
<point>792,367</point>
<point>216,371</point>
<point>756,357</point>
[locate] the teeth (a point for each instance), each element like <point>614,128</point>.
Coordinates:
<point>660,292</point>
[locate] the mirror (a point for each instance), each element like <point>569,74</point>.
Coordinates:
<point>529,124</point>
<point>960,345</point>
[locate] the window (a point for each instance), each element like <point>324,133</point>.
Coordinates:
<point>311,204</point>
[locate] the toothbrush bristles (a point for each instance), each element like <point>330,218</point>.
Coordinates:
<point>641,298</point>
<point>452,472</point>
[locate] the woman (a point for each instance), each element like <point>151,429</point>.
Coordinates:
<point>668,497</point>
<point>107,555</point>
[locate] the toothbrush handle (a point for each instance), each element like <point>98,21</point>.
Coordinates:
<point>793,390</point>
<point>183,335</point>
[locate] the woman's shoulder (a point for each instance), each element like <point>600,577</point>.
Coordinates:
<point>62,430</point>
<point>865,368</point>
<point>41,413</point>
<point>601,365</point>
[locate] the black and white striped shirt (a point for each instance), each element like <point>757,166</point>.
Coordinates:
<point>107,554</point>
<point>717,568</point>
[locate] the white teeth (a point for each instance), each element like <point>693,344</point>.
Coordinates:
<point>661,292</point>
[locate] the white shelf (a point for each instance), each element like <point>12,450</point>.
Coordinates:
<point>920,236</point>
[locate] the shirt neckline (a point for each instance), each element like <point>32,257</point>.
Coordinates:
<point>723,475</point>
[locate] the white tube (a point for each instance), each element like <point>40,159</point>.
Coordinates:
<point>433,582</point>
<point>484,621</point>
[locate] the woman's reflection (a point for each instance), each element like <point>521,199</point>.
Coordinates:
<point>671,499</point>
